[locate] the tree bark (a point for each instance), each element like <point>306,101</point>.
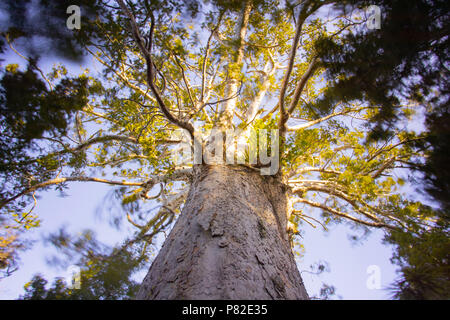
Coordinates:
<point>230,241</point>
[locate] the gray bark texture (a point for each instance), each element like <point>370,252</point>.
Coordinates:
<point>230,241</point>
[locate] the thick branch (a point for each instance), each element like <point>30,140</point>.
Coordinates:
<point>345,215</point>
<point>308,8</point>
<point>103,139</point>
<point>205,58</point>
<point>283,113</point>
<point>383,167</point>
<point>150,75</point>
<point>315,169</point>
<point>313,122</point>
<point>68,179</point>
<point>181,174</point>
<point>302,83</point>
<point>231,88</point>
<point>256,102</point>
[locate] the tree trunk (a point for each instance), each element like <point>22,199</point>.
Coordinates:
<point>230,241</point>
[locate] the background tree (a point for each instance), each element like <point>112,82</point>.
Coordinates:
<point>241,65</point>
<point>105,273</point>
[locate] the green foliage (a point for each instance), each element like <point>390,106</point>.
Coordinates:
<point>36,290</point>
<point>29,109</point>
<point>106,273</point>
<point>423,258</point>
